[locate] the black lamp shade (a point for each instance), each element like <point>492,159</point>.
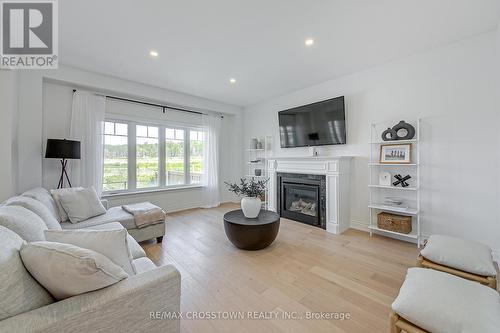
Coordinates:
<point>64,149</point>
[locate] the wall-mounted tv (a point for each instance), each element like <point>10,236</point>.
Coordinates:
<point>317,124</point>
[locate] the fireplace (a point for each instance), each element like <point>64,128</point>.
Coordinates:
<point>302,197</point>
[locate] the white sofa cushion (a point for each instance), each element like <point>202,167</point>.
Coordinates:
<point>36,207</point>
<point>440,302</point>
<point>143,265</point>
<point>23,222</point>
<point>81,205</point>
<point>19,291</point>
<point>66,270</point>
<point>459,253</point>
<point>45,198</point>
<point>114,214</point>
<point>136,250</point>
<point>56,195</point>
<point>113,244</point>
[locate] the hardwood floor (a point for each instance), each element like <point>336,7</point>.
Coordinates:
<point>304,270</point>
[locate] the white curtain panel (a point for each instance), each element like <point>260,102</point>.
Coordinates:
<point>211,190</point>
<point>87,126</point>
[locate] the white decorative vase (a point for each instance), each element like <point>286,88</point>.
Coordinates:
<point>251,207</point>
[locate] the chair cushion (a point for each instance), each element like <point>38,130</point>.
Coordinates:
<point>136,250</point>
<point>19,292</point>
<point>459,253</point>
<point>143,265</point>
<point>114,214</point>
<point>80,205</point>
<point>110,243</point>
<point>36,207</point>
<point>45,198</point>
<point>66,270</point>
<point>440,302</point>
<point>23,222</point>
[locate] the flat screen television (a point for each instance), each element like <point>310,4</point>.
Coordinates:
<point>317,124</point>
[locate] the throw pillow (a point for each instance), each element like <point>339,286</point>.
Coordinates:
<point>44,197</point>
<point>110,243</point>
<point>66,270</point>
<point>23,222</point>
<point>36,207</point>
<point>81,205</point>
<point>20,292</point>
<point>56,195</point>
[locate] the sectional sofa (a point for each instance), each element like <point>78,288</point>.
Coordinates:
<point>127,306</point>
<point>113,214</point>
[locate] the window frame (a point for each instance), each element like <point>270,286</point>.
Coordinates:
<point>134,165</point>
<point>128,153</point>
<point>162,174</point>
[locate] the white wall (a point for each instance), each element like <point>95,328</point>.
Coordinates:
<point>8,107</point>
<point>454,90</point>
<point>498,137</point>
<point>45,113</point>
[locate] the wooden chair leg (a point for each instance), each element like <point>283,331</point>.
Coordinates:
<point>394,319</point>
<point>492,282</point>
<point>420,260</point>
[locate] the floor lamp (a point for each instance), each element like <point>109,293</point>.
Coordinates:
<point>64,150</point>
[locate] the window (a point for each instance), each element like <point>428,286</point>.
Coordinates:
<point>140,156</point>
<point>196,156</point>
<point>146,156</point>
<point>115,175</point>
<point>174,155</point>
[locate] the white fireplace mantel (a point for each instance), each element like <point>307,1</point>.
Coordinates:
<point>336,170</point>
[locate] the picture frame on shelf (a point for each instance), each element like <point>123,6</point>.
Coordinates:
<point>395,153</point>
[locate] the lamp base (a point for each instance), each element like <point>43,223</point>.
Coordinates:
<point>64,174</point>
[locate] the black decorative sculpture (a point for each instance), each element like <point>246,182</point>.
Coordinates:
<point>401,180</point>
<point>403,127</point>
<point>400,131</point>
<point>389,135</point>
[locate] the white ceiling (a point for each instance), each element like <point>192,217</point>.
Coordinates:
<point>203,43</point>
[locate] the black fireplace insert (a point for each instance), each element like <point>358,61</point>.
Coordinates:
<point>302,198</point>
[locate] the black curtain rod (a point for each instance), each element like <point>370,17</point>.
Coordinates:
<point>152,104</point>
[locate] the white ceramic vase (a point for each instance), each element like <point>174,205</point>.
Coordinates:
<point>251,207</point>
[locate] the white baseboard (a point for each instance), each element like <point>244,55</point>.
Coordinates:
<point>180,208</point>
<point>359,225</point>
<point>194,206</point>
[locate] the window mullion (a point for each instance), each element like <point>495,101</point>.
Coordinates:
<point>162,156</point>
<point>132,153</point>
<point>187,149</point>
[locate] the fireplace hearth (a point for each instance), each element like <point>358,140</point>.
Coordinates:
<point>302,198</point>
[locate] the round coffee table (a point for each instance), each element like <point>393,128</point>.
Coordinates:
<point>251,234</point>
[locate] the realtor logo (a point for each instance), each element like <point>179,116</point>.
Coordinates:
<point>28,34</point>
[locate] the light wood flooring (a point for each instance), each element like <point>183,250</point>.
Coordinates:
<point>304,270</point>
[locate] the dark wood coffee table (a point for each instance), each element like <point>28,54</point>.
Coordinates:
<point>251,234</point>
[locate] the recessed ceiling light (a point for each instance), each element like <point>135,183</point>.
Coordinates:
<point>309,42</point>
<point>232,80</point>
<point>153,53</point>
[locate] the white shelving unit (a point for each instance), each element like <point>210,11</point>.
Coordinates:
<point>410,194</point>
<point>261,154</point>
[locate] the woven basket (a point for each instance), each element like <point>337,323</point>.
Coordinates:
<point>393,222</point>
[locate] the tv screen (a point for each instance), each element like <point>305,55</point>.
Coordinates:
<point>317,124</point>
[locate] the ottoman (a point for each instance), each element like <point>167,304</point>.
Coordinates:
<point>433,301</point>
<point>467,259</point>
